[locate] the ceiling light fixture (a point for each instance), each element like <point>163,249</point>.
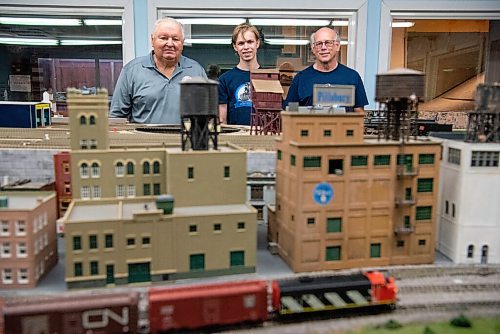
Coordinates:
<point>286,41</point>
<point>290,22</point>
<point>339,23</point>
<point>226,41</point>
<point>73,42</point>
<point>213,21</point>
<point>39,21</point>
<point>28,41</point>
<point>102,22</point>
<point>402,24</point>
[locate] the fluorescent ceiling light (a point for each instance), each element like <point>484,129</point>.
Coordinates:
<point>226,41</point>
<point>290,22</point>
<point>287,41</point>
<point>39,21</point>
<point>402,24</point>
<point>213,21</point>
<point>338,23</point>
<point>67,42</point>
<point>28,41</point>
<point>102,22</point>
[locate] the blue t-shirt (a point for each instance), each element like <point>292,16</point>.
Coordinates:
<point>301,88</point>
<point>234,90</point>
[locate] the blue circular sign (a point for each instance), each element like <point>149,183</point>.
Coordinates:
<point>323,193</point>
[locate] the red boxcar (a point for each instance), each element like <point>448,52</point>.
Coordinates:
<point>76,314</point>
<point>193,307</point>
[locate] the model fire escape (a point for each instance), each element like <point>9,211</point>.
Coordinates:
<point>199,114</point>
<point>399,92</point>
<point>484,121</point>
<point>267,95</point>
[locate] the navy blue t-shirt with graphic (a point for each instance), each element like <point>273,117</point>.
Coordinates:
<point>234,90</point>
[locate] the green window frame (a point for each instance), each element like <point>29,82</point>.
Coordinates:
<point>108,241</point>
<point>333,224</point>
<point>131,241</point>
<point>279,154</point>
<point>359,160</point>
<point>292,160</point>
<point>241,225</point>
<point>349,133</point>
<point>92,120</point>
<point>130,168</point>
<point>190,173</point>
<point>382,160</point>
<point>77,242</point>
<point>425,185</point>
<point>312,162</point>
<point>333,253</point>
<point>426,159</point>
<point>156,167</point>
<point>197,262</point>
<point>146,188</point>
<point>78,269</point>
<point>146,167</point>
<point>375,250</point>
<point>146,240</point>
<point>83,120</point>
<point>237,258</point>
<point>407,221</point>
<point>156,188</point>
<point>94,268</point>
<point>93,241</point>
<point>327,133</point>
<point>193,228</point>
<point>304,133</point>
<point>227,171</point>
<point>217,227</point>
<point>423,213</point>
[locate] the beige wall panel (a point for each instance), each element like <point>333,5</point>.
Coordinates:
<point>356,249</point>
<point>310,252</point>
<point>358,193</point>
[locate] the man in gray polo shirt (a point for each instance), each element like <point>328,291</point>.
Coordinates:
<point>148,88</point>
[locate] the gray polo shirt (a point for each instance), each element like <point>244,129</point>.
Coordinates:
<point>144,95</point>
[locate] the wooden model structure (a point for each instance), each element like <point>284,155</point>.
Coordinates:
<point>266,96</point>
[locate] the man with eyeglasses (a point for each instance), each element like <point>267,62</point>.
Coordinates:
<point>325,44</point>
<point>148,88</point>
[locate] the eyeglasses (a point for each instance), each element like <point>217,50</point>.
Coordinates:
<point>328,43</point>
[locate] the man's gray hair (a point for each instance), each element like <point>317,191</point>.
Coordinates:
<point>169,20</point>
<point>312,39</point>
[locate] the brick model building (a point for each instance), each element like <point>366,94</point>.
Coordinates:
<point>62,172</point>
<point>118,232</point>
<point>28,245</point>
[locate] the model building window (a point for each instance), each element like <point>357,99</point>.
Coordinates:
<point>446,207</point>
<point>241,226</point>
<point>21,250</point>
<point>131,241</point>
<point>375,250</point>
<point>217,227</point>
<point>119,169</point>
<point>407,222</point>
<point>400,243</point>
<point>349,133</point>
<point>146,240</point>
<point>93,144</point>
<point>92,241</point>
<point>7,276</point>
<point>312,162</point>
<point>96,191</point>
<point>304,133</point>
<point>197,262</point>
<point>96,169</point>
<point>5,249</point>
<point>84,170</point>
<point>334,225</point>
<point>85,192</point>
<point>78,269</point>
<point>484,159</point>
<point>257,192</point>
<point>156,188</point>
<point>190,173</point>
<point>421,242</point>
<point>146,189</point>
<point>454,156</point>
<point>237,258</point>
<point>94,268</point>
<point>260,212</point>
<point>131,190</point>
<point>333,253</point>
<point>425,185</point>
<point>227,171</point>
<point>146,167</point>
<point>5,228</point>
<point>66,168</point>
<point>426,159</point>
<point>382,160</point>
<point>423,213</point>
<point>20,228</point>
<point>327,133</point>
<point>120,190</point>
<point>156,167</point>
<point>279,153</point>
<point>77,242</point>
<point>83,120</point>
<point>359,160</point>
<point>311,221</point>
<point>67,188</point>
<point>92,120</point>
<point>193,228</point>
<point>83,144</point>
<point>22,276</point>
<point>108,241</point>
<point>292,160</point>
<point>453,210</point>
<point>130,168</point>
<point>470,251</point>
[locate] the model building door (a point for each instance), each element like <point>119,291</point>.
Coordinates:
<point>35,325</point>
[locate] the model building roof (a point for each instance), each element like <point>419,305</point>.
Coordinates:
<point>267,86</point>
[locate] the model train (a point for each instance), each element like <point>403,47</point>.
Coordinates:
<point>193,307</point>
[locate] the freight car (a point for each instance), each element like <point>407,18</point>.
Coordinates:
<point>196,306</point>
<point>73,314</point>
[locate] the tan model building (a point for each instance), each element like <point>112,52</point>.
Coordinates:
<point>28,245</point>
<point>346,201</point>
<point>118,232</point>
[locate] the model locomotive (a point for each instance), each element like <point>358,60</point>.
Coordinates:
<point>195,306</point>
